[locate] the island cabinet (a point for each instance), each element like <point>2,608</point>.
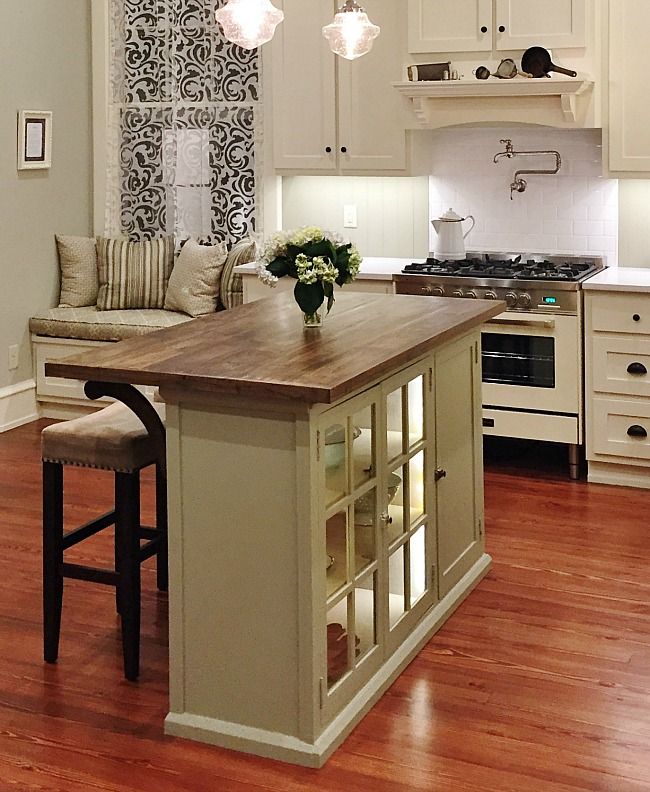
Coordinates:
<point>325,505</point>
<point>331,115</point>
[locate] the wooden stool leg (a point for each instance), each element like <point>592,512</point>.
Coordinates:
<point>162,561</point>
<point>127,536</point>
<point>52,558</point>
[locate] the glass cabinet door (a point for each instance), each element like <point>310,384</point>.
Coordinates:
<point>408,518</point>
<point>351,526</point>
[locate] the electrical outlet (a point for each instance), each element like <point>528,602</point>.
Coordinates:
<point>13,357</point>
<point>349,216</point>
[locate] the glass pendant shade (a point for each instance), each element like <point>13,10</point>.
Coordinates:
<point>351,34</point>
<point>249,23</point>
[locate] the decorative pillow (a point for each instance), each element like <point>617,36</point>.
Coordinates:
<point>78,265</point>
<point>231,291</point>
<point>133,274</point>
<point>194,283</point>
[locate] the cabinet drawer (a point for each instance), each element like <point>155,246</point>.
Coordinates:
<point>621,365</point>
<point>621,428</point>
<point>621,313</point>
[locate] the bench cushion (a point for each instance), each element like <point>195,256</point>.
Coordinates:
<point>89,324</point>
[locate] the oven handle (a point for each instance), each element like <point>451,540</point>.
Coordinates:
<point>548,324</point>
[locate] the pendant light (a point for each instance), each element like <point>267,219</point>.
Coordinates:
<point>249,23</point>
<point>351,34</point>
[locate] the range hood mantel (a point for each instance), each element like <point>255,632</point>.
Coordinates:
<point>556,102</point>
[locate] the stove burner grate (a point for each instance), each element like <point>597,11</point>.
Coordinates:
<point>513,268</point>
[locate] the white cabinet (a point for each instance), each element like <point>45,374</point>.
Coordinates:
<point>618,387</point>
<point>629,110</point>
<point>484,25</point>
<point>331,115</point>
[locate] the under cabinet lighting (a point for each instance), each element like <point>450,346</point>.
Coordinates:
<point>351,34</point>
<point>249,23</point>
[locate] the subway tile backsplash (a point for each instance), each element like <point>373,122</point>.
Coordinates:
<point>574,211</point>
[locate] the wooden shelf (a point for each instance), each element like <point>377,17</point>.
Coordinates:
<point>508,100</point>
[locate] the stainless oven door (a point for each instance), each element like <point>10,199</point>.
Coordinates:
<point>532,362</point>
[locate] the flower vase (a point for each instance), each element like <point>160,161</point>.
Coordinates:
<point>315,319</point>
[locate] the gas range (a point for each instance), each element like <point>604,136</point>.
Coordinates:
<point>526,282</point>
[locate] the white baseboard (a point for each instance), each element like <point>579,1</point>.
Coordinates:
<point>17,405</point>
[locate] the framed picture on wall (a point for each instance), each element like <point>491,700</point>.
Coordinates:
<point>34,139</point>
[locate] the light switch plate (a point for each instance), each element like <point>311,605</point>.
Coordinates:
<point>349,216</point>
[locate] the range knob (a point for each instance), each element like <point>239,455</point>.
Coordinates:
<point>436,291</point>
<point>471,294</point>
<point>524,301</point>
<point>457,293</point>
<point>490,295</point>
<point>511,299</point>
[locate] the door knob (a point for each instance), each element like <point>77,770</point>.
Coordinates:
<point>440,474</point>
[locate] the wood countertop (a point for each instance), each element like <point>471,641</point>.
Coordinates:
<point>261,349</point>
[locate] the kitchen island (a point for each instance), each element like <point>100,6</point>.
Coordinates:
<point>325,505</point>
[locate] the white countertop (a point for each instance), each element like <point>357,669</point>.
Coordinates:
<point>371,268</point>
<point>624,279</point>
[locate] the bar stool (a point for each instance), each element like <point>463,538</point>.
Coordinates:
<point>112,438</point>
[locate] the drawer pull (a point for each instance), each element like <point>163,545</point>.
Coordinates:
<point>637,431</point>
<point>636,318</point>
<point>637,368</point>
<point>488,422</point>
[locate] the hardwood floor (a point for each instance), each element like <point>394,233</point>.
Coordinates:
<point>539,683</point>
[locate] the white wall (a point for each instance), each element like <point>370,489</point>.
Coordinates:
<point>575,211</point>
<point>45,65</point>
<point>391,211</point>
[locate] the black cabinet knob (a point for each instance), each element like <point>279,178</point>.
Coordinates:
<point>328,149</point>
<point>637,368</point>
<point>484,29</point>
<point>440,474</point>
<point>343,149</point>
<point>636,318</point>
<point>502,29</point>
<point>637,431</point>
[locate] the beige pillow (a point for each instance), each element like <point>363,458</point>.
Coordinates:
<point>194,283</point>
<point>231,289</point>
<point>133,274</point>
<point>78,266</point>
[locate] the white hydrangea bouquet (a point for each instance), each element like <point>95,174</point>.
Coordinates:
<point>317,259</point>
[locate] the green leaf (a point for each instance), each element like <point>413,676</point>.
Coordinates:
<point>321,248</point>
<point>328,290</point>
<point>279,267</point>
<point>309,296</point>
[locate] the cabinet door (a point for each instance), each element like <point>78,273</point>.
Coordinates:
<point>459,469</point>
<point>409,517</point>
<point>351,501</point>
<point>372,126</point>
<point>553,23</point>
<point>450,25</point>
<point>303,99</point>
<point>629,110</point>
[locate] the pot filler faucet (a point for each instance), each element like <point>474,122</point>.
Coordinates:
<point>518,184</point>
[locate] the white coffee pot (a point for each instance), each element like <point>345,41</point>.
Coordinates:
<point>451,240</point>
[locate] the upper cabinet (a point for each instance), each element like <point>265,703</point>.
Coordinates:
<point>331,115</point>
<point>484,25</point>
<point>629,110</point>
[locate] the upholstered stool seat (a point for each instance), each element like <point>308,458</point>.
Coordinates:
<point>114,439</point>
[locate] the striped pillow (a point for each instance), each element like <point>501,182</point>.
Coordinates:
<point>231,290</point>
<point>133,274</point>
